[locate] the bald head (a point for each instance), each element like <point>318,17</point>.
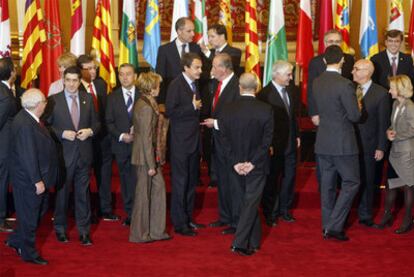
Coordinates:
<point>248,83</point>
<point>362,71</point>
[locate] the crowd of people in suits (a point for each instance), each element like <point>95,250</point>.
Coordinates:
<point>199,104</point>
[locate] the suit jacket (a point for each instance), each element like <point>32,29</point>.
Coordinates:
<point>403,125</point>
<point>33,153</point>
<point>59,119</point>
<point>8,108</point>
<point>184,119</point>
<point>375,119</point>
<point>235,54</point>
<point>168,64</point>
<point>230,93</point>
<point>383,68</point>
<point>117,120</point>
<point>316,67</point>
<point>285,124</point>
<point>246,126</point>
<point>337,107</point>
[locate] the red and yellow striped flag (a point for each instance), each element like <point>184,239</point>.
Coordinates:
<point>102,42</point>
<point>251,38</point>
<point>33,37</point>
<point>342,23</point>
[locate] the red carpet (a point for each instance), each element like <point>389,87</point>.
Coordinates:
<point>290,249</point>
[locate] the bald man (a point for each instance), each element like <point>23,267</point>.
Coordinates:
<point>371,134</point>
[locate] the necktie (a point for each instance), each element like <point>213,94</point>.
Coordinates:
<point>359,95</point>
<point>183,49</point>
<point>129,104</point>
<point>285,99</point>
<point>74,112</point>
<point>216,95</point>
<point>394,66</point>
<point>95,99</point>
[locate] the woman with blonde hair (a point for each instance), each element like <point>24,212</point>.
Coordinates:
<point>64,61</point>
<point>149,212</point>
<point>401,159</point>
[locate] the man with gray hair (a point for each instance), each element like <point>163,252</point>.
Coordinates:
<point>279,190</point>
<point>33,169</point>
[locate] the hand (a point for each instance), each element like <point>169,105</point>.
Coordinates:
<point>152,172</point>
<point>69,135</point>
<point>271,151</point>
<point>248,167</point>
<point>83,134</point>
<point>239,168</point>
<point>127,138</point>
<point>131,130</point>
<point>40,187</point>
<point>391,134</point>
<point>203,47</point>
<point>379,154</point>
<point>297,142</point>
<point>209,122</point>
<point>315,120</point>
<point>196,103</point>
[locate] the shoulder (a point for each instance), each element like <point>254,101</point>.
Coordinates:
<point>379,56</point>
<point>405,57</point>
<point>380,91</point>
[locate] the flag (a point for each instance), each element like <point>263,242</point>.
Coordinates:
<point>368,33</point>
<point>411,30</point>
<point>225,18</point>
<point>102,42</point>
<point>252,61</point>
<point>304,46</point>
<point>180,9</point>
<point>200,21</point>
<point>128,52</point>
<point>276,48</point>
<point>33,38</point>
<point>152,36</point>
<point>77,31</point>
<point>342,23</point>
<point>52,48</point>
<point>5,41</point>
<point>396,16</point>
<point>325,22</point>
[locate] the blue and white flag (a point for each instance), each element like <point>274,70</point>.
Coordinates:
<point>368,32</point>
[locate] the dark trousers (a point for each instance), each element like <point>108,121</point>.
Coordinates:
<point>4,185</point>
<point>29,209</point>
<point>102,167</point>
<point>184,178</point>
<point>78,175</point>
<point>335,208</point>
<point>128,179</point>
<point>248,231</point>
<point>367,189</point>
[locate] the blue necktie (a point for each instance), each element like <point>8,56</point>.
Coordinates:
<point>129,104</point>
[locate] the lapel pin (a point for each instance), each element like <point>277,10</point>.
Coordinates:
<point>84,102</point>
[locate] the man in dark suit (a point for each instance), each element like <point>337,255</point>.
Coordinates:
<point>33,169</point>
<point>183,109</point>
<point>73,120</point>
<point>226,91</point>
<point>336,144</point>
<point>392,61</point>
<point>280,187</point>
<point>169,55</point>
<point>8,108</point>
<point>246,126</point>
<point>119,111</point>
<point>371,134</point>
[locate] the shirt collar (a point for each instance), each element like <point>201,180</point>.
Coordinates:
<point>6,83</point>
<point>68,94</point>
<point>132,90</point>
<point>188,80</point>
<point>222,47</point>
<point>277,86</point>
<point>390,56</point>
<point>330,69</point>
<point>365,87</point>
<point>32,115</point>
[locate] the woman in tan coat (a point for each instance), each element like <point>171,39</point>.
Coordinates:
<point>401,134</point>
<point>149,212</point>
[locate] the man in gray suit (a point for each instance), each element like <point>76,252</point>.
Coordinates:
<point>336,145</point>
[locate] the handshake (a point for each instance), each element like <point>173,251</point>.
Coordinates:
<point>243,168</point>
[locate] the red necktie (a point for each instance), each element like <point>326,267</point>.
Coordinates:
<point>95,99</point>
<point>216,95</point>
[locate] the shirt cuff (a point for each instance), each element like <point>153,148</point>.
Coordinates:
<point>120,137</point>
<point>215,123</point>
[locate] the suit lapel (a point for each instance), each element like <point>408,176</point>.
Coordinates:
<point>174,51</point>
<point>64,103</point>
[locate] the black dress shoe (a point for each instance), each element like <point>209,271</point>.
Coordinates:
<point>241,251</point>
<point>110,217</point>
<point>212,184</point>
<point>335,235</point>
<point>186,232</point>
<point>404,229</point>
<point>196,226</point>
<point>271,222</point>
<point>39,261</point>
<point>229,231</point>
<point>126,222</point>
<point>6,227</point>
<point>367,222</point>
<point>217,223</point>
<point>288,218</point>
<point>61,237</point>
<point>18,250</point>
<point>85,240</point>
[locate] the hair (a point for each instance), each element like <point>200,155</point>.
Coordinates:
<point>248,81</point>
<point>31,98</point>
<point>6,68</point>
<point>280,67</point>
<point>82,59</point>
<point>66,60</point>
<point>147,81</point>
<point>403,85</point>
<point>128,65</point>
<point>220,29</point>
<point>394,33</point>
<point>73,70</point>
<point>225,60</point>
<point>188,58</point>
<point>331,32</point>
<point>333,54</point>
<point>180,23</point>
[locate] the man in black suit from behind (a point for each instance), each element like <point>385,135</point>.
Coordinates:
<point>33,169</point>
<point>102,155</point>
<point>169,54</point>
<point>183,106</point>
<point>371,134</point>
<point>225,91</point>
<point>8,108</point>
<point>119,112</point>
<point>73,120</point>
<point>392,61</point>
<point>336,144</point>
<point>279,191</point>
<point>246,126</point>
